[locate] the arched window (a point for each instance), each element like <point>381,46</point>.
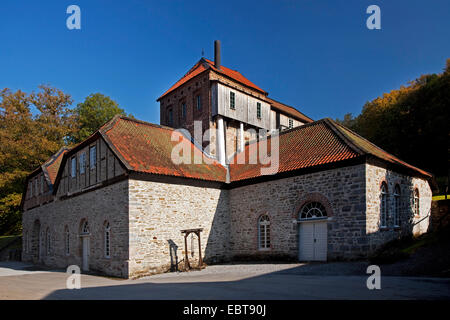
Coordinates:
<point>312,210</point>
<point>416,204</point>
<point>264,232</point>
<point>397,206</point>
<point>41,243</point>
<point>85,228</point>
<point>383,205</point>
<point>25,242</point>
<point>107,240</point>
<point>48,240</point>
<point>67,240</point>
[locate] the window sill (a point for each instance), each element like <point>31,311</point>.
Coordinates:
<point>384,228</point>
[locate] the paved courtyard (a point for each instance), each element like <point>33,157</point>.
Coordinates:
<point>239,281</point>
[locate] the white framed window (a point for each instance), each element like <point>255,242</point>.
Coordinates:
<point>264,232</point>
<point>312,210</point>
<point>67,240</point>
<point>258,110</point>
<point>85,228</point>
<point>383,206</point>
<point>93,157</point>
<point>82,162</point>
<point>232,100</point>
<point>42,184</point>
<point>73,168</point>
<point>107,240</point>
<point>397,206</point>
<point>291,123</point>
<point>416,203</point>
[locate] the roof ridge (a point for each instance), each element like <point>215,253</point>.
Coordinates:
<point>332,125</point>
<point>286,105</point>
<point>341,127</point>
<point>280,133</point>
<point>368,152</point>
<point>146,123</point>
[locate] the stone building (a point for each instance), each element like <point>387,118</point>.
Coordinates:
<point>117,202</point>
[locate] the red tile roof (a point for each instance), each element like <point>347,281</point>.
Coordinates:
<point>303,147</point>
<point>235,75</point>
<point>291,111</point>
<point>205,64</point>
<point>369,148</point>
<point>318,143</point>
<point>147,148</point>
<point>52,165</point>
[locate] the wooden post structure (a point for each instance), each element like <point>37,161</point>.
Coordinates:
<point>200,261</point>
<point>186,258</point>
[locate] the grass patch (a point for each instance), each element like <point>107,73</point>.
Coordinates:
<point>403,248</point>
<point>440,197</point>
<point>7,240</point>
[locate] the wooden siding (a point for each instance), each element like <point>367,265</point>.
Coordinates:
<point>106,168</point>
<point>245,106</point>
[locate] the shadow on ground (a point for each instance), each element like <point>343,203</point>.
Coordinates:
<point>309,281</point>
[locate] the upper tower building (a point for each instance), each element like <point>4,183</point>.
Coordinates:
<point>229,109</point>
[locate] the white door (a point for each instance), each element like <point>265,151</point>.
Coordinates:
<point>85,265</point>
<point>313,241</point>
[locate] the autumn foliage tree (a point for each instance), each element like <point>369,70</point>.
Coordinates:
<point>32,128</point>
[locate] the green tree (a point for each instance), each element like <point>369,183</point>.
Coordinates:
<point>91,114</point>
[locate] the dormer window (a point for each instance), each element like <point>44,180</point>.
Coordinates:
<point>232,100</point>
<point>258,110</point>
<point>73,167</point>
<point>93,157</point>
<point>82,162</point>
<point>42,184</point>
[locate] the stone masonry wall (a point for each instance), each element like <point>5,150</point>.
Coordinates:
<point>376,175</point>
<point>158,213</point>
<point>341,190</point>
<point>109,203</point>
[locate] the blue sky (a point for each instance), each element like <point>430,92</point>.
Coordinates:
<point>315,55</point>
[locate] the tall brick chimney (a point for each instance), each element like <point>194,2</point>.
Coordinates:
<point>217,54</point>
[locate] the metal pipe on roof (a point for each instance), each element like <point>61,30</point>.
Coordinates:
<point>217,54</point>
